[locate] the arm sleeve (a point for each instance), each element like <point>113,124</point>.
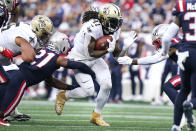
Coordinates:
<point>168,35</point>
<point>151,59</point>
<point>80,66</point>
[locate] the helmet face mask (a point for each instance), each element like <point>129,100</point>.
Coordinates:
<point>157,35</point>
<point>110,17</point>
<point>42,26</point>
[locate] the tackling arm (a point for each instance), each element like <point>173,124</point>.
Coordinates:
<point>58,84</point>
<point>27,51</point>
<point>147,60</point>
<point>61,61</point>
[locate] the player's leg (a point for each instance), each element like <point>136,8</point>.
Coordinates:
<point>133,84</point>
<point>13,94</point>
<point>103,78</point>
<point>171,87</point>
<point>181,97</point>
<point>113,90</point>
<point>164,74</point>
<point>3,75</point>
<point>86,89</point>
<point>141,83</point>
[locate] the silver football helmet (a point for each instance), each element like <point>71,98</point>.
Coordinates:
<point>157,34</point>
<point>60,42</point>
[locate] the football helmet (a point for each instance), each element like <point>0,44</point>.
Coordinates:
<point>42,26</point>
<point>60,42</point>
<point>9,4</point>
<point>110,17</point>
<point>157,35</point>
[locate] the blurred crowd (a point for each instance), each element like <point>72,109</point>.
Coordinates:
<point>139,15</point>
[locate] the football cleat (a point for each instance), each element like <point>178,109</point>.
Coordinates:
<point>188,112</point>
<point>3,123</point>
<point>60,101</point>
<point>17,116</point>
<point>96,119</point>
<point>175,128</point>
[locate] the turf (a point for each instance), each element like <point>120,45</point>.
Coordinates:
<point>76,115</point>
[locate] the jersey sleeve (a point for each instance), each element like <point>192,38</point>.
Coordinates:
<point>175,42</point>
<point>94,29</point>
<point>179,8</point>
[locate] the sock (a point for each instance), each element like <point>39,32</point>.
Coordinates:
<point>102,99</point>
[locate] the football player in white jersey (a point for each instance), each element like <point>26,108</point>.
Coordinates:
<point>107,21</point>
<point>22,38</point>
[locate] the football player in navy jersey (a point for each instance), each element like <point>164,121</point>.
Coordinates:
<point>185,18</point>
<point>8,11</point>
<point>46,62</point>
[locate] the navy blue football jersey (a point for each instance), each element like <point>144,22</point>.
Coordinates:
<point>3,16</point>
<point>185,10</point>
<point>176,42</point>
<point>42,67</point>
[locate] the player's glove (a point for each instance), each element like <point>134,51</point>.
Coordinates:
<point>7,53</point>
<point>129,40</point>
<point>182,56</point>
<point>125,60</point>
<point>111,44</point>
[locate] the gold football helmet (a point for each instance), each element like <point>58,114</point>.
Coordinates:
<point>42,26</point>
<point>110,17</point>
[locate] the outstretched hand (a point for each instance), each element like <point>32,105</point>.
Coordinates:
<point>129,40</point>
<point>125,60</point>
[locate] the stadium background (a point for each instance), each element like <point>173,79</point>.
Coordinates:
<point>139,15</point>
<point>132,113</point>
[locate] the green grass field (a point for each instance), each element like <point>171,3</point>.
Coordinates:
<point>76,115</point>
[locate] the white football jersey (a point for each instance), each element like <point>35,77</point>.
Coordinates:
<point>9,33</point>
<point>92,28</point>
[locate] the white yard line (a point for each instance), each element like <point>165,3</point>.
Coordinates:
<point>105,112</point>
<point>109,116</point>
<point>88,104</point>
<point>85,126</point>
<point>117,121</point>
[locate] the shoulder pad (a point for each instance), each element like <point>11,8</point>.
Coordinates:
<point>94,28</point>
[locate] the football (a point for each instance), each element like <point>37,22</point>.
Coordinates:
<point>101,43</point>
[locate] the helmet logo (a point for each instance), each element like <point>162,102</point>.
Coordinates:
<point>42,24</point>
<point>155,34</point>
<point>106,11</point>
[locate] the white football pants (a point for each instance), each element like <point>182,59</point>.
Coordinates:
<point>103,77</point>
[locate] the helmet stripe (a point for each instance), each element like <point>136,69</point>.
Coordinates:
<point>117,9</point>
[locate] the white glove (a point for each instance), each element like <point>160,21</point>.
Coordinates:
<point>182,56</point>
<point>111,44</point>
<point>125,60</point>
<point>1,49</point>
<point>129,40</point>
